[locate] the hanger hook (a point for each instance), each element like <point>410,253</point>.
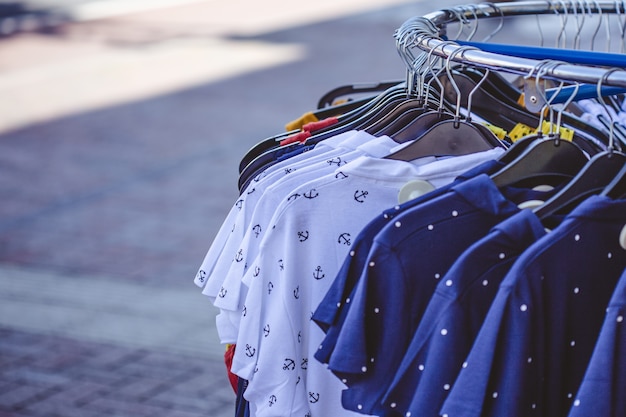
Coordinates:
<point>580,21</point>
<point>607,27</point>
<point>537,20</point>
<point>563,17</point>
<point>500,25</point>
<point>427,66</point>
<point>599,13</point>
<point>601,81</point>
<point>549,65</point>
<point>459,16</point>
<point>539,69</point>
<point>435,76</point>
<point>405,35</point>
<point>620,23</point>
<point>566,104</point>
<point>472,9</point>
<point>460,49</point>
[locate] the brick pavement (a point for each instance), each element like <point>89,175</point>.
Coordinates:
<point>45,375</point>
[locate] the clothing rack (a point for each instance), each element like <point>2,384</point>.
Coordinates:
<point>426,34</point>
<point>398,259</point>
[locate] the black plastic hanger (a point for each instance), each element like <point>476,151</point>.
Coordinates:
<point>594,176</point>
<point>450,137</point>
<point>263,152</point>
<point>616,189</point>
<point>544,161</point>
<point>407,129</point>
<point>267,151</point>
<point>499,112</point>
<point>330,97</point>
<point>498,89</point>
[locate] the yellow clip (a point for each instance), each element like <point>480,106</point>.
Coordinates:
<point>498,131</point>
<point>519,131</point>
<point>564,133</point>
<point>298,123</point>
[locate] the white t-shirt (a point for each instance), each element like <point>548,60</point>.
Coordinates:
<point>246,202</point>
<point>229,297</point>
<point>298,259</point>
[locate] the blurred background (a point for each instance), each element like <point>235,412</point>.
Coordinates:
<point>122,123</point>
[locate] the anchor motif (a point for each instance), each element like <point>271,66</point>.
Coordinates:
<point>311,194</point>
<point>270,287</point>
<point>201,276</point>
<point>293,196</point>
<point>281,265</point>
<point>314,397</point>
<point>359,195</point>
<point>344,238</point>
<point>335,161</point>
<point>289,365</point>
<point>272,400</point>
<point>318,273</point>
<point>303,236</point>
<point>257,230</point>
<point>250,351</point>
<point>257,271</point>
<point>305,364</point>
<point>222,292</point>
<point>251,191</point>
<point>244,312</point>
<point>260,176</point>
<point>266,330</point>
<point>239,256</point>
<point>239,204</point>
<point>296,292</point>
<point>340,175</point>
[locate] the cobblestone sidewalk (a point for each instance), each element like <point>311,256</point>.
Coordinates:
<point>52,376</point>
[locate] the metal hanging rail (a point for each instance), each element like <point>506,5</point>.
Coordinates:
<point>424,33</point>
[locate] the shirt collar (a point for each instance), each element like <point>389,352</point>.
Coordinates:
<point>601,208</point>
<point>482,193</point>
<point>522,228</point>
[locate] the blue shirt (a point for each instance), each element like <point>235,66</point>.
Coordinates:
<point>531,353</point>
<point>407,260</point>
<point>455,314</point>
<point>602,392</point>
<point>332,311</point>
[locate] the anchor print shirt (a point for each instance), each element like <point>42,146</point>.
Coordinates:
<point>602,390</point>
<point>532,350</point>
<point>449,168</point>
<point>297,260</point>
<point>331,312</point>
<point>455,314</point>
<point>231,294</point>
<point>246,202</point>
